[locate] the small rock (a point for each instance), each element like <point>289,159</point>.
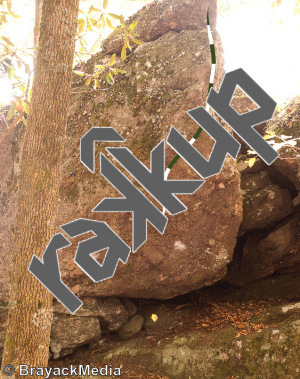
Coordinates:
<point>131,328</point>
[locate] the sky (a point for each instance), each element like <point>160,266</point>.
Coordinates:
<point>262,41</point>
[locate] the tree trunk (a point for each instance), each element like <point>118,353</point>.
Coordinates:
<point>37,25</point>
<point>30,308</point>
<point>37,21</point>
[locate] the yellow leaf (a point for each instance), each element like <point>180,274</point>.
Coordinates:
<point>267,136</point>
<point>108,22</point>
<point>114,16</point>
<point>251,162</point>
<point>26,107</point>
<point>11,110</point>
<point>88,81</point>
<point>133,25</point>
<point>8,41</point>
<point>105,3</point>
<point>137,41</point>
<point>123,53</point>
<point>113,59</point>
<point>122,21</point>
<point>81,25</point>
<point>109,79</point>
<point>27,68</point>
<point>121,71</point>
<point>21,87</point>
<point>79,73</point>
<point>110,75</point>
<point>154,317</point>
<point>96,84</point>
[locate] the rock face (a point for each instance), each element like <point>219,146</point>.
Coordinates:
<point>164,78</point>
<point>272,352</point>
<point>265,254</point>
<point>68,332</point>
<point>264,202</point>
<point>270,232</point>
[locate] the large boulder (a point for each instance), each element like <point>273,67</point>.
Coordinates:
<point>164,78</point>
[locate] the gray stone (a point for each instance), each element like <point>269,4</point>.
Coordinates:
<point>131,327</point>
<point>129,306</point>
<point>69,332</point>
<point>264,203</point>
<point>112,314</point>
<point>264,254</point>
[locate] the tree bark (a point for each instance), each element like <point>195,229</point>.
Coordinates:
<point>37,21</point>
<point>37,26</point>
<point>30,308</point>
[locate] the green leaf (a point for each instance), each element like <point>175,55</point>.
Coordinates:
<point>123,53</point>
<point>105,3</point>
<point>112,59</point>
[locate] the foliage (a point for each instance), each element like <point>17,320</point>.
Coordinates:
<point>277,143</point>
<point>285,120</point>
<point>95,19</point>
<point>6,11</point>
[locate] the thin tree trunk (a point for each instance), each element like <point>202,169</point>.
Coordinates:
<point>37,21</point>
<point>37,25</point>
<point>30,309</point>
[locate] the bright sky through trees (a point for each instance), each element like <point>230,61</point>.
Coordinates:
<point>260,38</point>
